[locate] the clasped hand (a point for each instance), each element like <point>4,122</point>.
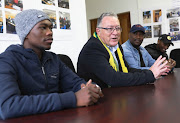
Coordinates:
<point>89,94</point>
<point>171,63</point>
<point>160,67</point>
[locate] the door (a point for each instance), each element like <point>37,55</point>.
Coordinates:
<point>125,23</point>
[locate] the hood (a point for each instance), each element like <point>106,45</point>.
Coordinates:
<point>151,46</point>
<point>19,49</point>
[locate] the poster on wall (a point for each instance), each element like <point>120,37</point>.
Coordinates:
<point>1,22</point>
<point>146,17</point>
<point>10,25</point>
<point>171,13</point>
<point>49,2</point>
<point>148,32</point>
<point>175,36</point>
<point>64,20</point>
<point>14,4</point>
<point>157,30</point>
<point>52,16</point>
<point>174,24</point>
<point>157,15</point>
<point>63,4</point>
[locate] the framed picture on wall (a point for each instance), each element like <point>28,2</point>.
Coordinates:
<point>157,15</point>
<point>146,17</point>
<point>10,25</point>
<point>49,2</point>
<point>174,24</point>
<point>14,4</point>
<point>148,32</point>
<point>52,16</point>
<point>63,4</point>
<point>157,30</point>
<point>64,20</point>
<point>171,13</point>
<point>175,36</point>
<point>1,22</point>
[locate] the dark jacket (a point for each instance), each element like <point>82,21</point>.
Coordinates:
<point>30,86</point>
<point>154,52</point>
<point>93,63</point>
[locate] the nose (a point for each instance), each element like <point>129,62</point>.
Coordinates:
<point>49,32</point>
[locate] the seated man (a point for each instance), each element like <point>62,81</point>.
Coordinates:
<point>163,43</point>
<point>102,58</point>
<point>33,80</point>
<point>135,55</point>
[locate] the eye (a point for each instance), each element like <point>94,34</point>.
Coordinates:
<point>42,27</point>
<point>110,29</point>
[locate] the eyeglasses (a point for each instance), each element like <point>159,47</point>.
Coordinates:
<point>111,30</point>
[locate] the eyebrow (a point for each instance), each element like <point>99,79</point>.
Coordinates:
<point>45,24</point>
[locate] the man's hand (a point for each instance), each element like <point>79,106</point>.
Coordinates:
<point>88,95</point>
<point>159,67</point>
<point>171,63</point>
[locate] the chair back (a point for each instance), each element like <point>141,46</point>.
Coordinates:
<point>66,59</point>
<point>175,54</point>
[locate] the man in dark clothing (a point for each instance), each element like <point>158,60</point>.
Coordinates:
<point>155,50</point>
<point>159,49</point>
<point>102,58</point>
<point>33,80</point>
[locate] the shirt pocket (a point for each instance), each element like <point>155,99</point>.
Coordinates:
<point>53,81</point>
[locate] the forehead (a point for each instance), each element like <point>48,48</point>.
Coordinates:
<point>110,21</point>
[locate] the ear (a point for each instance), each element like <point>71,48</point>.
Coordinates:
<point>129,34</point>
<point>97,31</point>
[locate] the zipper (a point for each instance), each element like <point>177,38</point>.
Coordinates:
<point>46,83</point>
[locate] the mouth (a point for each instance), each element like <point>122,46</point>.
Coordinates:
<point>114,38</point>
<point>50,40</point>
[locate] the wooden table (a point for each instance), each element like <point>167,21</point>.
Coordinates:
<point>153,103</point>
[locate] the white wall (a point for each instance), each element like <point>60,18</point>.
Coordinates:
<point>95,8</point>
<point>67,42</point>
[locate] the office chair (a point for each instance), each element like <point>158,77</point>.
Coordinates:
<point>67,61</point>
<point>175,54</point>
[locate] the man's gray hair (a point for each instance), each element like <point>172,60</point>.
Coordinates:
<point>104,15</point>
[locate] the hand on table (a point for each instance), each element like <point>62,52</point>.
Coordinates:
<point>171,63</point>
<point>89,94</point>
<point>160,67</point>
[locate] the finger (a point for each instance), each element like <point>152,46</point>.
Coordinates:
<point>164,70</point>
<point>163,64</point>
<point>101,94</point>
<point>161,61</point>
<point>94,99</point>
<point>174,63</point>
<point>94,88</point>
<point>89,82</point>
<point>83,85</point>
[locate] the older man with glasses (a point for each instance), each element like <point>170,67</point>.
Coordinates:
<point>101,58</point>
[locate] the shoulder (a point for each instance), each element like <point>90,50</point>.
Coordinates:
<point>93,45</point>
<point>150,46</point>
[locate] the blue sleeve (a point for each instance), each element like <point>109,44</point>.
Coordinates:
<point>14,104</point>
<point>130,58</point>
<point>69,79</point>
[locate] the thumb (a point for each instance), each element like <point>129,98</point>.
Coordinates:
<point>83,85</point>
<point>89,82</point>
